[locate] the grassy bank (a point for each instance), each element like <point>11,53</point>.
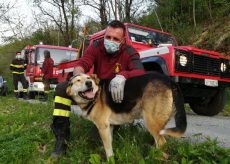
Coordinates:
<point>25,137</point>
<point>227,106</point>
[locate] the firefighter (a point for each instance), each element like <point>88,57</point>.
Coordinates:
<point>17,67</point>
<point>112,59</point>
<point>47,70</point>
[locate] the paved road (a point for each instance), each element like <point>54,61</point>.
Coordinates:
<point>201,127</point>
<point>217,127</point>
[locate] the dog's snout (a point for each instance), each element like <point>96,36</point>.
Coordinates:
<point>88,84</point>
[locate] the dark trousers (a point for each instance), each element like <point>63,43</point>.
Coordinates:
<point>22,79</point>
<point>46,83</point>
<point>61,127</point>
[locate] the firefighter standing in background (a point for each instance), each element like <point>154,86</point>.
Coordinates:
<point>17,67</point>
<point>47,70</point>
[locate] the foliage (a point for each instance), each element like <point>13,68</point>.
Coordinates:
<point>25,137</point>
<point>177,17</point>
<point>61,14</point>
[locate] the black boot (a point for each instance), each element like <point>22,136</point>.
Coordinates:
<point>16,95</point>
<point>59,148</point>
<point>61,131</point>
<point>44,97</point>
<point>25,96</point>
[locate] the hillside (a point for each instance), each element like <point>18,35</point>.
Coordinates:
<point>214,37</point>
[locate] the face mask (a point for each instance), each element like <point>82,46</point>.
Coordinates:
<point>110,46</point>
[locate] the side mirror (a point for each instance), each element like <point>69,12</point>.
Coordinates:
<point>4,81</point>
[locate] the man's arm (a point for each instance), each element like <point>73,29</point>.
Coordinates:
<point>135,67</point>
<point>86,62</point>
<point>117,84</point>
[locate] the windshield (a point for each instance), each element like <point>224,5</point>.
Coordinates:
<point>1,79</point>
<point>145,36</point>
<point>57,55</point>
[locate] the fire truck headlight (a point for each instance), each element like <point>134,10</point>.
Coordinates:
<point>223,67</point>
<point>183,60</point>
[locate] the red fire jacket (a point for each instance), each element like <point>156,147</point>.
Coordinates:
<point>47,68</point>
<point>125,62</point>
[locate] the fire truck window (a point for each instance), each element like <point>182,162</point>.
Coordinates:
<point>32,57</point>
<point>143,36</point>
<point>57,55</point>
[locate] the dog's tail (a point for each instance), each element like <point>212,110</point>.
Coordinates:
<point>180,116</point>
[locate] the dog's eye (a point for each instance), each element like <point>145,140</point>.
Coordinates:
<point>78,80</point>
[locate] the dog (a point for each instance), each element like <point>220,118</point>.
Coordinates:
<point>152,97</point>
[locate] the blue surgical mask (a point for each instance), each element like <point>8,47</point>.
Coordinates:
<point>110,46</point>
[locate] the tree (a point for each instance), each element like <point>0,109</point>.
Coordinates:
<point>107,10</point>
<point>194,12</point>
<point>63,13</point>
<point>5,8</point>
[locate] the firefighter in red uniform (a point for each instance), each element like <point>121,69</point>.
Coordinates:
<point>17,67</point>
<point>112,59</point>
<point>47,70</point>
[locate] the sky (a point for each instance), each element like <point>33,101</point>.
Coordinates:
<point>23,9</point>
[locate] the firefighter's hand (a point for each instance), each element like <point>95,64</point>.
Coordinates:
<point>116,87</point>
<point>78,70</point>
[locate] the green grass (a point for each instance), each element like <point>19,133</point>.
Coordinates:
<point>226,111</point>
<point>25,137</point>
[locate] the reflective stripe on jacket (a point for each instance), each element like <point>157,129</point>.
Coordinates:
<point>17,66</point>
<point>62,102</point>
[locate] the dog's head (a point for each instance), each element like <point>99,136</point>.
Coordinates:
<point>83,88</point>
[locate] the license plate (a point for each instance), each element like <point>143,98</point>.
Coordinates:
<point>211,83</point>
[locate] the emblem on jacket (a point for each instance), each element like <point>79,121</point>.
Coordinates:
<point>117,68</point>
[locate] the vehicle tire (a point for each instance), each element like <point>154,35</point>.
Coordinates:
<point>31,95</point>
<point>212,107</point>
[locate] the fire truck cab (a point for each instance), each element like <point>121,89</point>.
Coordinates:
<point>201,74</point>
<point>34,58</point>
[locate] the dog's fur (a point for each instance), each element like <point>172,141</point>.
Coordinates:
<point>152,97</point>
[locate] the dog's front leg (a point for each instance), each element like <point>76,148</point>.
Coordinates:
<point>106,136</point>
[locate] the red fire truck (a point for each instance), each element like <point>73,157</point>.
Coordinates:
<point>202,75</point>
<point>34,57</point>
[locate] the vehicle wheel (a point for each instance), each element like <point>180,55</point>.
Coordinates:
<point>210,106</point>
<point>31,95</point>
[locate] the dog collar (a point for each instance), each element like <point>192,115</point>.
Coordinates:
<point>90,106</point>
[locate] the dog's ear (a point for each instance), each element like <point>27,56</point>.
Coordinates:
<point>68,89</point>
<point>95,78</point>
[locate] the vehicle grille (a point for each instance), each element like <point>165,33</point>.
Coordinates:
<point>201,64</point>
<point>206,66</point>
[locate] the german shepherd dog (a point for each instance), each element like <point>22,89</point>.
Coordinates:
<point>152,97</point>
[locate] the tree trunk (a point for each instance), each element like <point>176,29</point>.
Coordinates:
<point>194,13</point>
<point>102,11</point>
